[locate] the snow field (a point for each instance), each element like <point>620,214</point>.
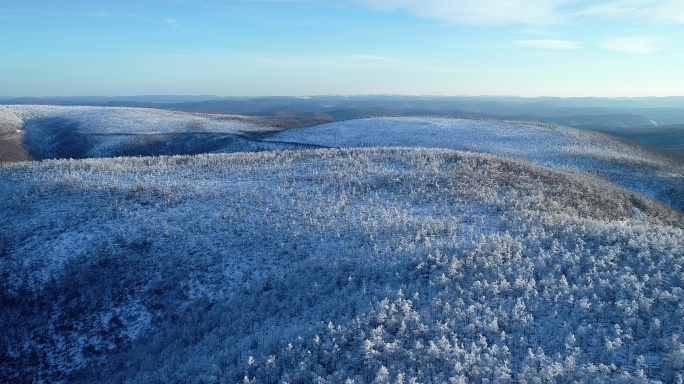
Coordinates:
<point>342,265</point>
<point>124,120</point>
<point>626,164</point>
<point>372,264</point>
<point>82,132</point>
<point>9,121</point>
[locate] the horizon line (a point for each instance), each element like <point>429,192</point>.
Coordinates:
<point>8,97</point>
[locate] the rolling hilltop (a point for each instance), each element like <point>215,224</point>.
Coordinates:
<point>578,112</point>
<point>380,250</point>
<point>54,132</point>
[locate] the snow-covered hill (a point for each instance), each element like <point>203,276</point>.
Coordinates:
<point>115,120</point>
<point>409,250</point>
<point>54,132</point>
<point>336,265</point>
<point>628,164</point>
<point>86,132</point>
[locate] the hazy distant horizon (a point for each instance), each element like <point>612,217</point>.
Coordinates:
<point>321,95</point>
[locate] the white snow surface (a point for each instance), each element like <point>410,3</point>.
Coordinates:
<point>624,163</point>
<point>544,144</point>
<point>8,118</point>
<point>126,120</point>
<point>332,264</point>
<point>433,264</point>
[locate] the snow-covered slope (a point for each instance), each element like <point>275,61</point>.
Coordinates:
<point>520,260</point>
<point>11,137</point>
<point>119,120</point>
<point>357,265</point>
<point>85,132</point>
<point>625,163</point>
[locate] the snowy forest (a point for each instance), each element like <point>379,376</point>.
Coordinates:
<point>389,250</point>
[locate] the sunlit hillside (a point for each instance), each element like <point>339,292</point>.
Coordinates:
<point>52,132</point>
<point>11,138</point>
<point>56,132</point>
<point>653,173</point>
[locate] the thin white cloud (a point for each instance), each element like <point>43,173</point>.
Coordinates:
<point>535,30</point>
<point>481,12</point>
<point>274,1</point>
<point>533,12</point>
<point>638,10</point>
<point>99,14</point>
<point>23,11</point>
<point>549,44</point>
<point>132,17</point>
<point>631,45</point>
<point>373,58</point>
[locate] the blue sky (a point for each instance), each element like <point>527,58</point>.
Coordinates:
<point>312,47</point>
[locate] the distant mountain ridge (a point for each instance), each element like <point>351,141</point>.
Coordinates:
<point>576,112</point>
